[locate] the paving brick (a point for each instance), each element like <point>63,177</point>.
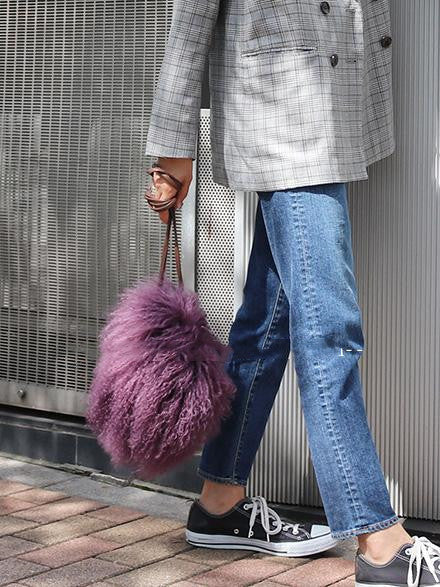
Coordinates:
<point>268,583</point>
<point>319,573</point>
<point>288,561</point>
<point>9,504</point>
<point>184,584</point>
<point>160,573</point>
<point>13,569</point>
<point>213,557</point>
<point>39,496</point>
<point>13,546</point>
<point>59,510</point>
<point>10,525</point>
<point>8,487</point>
<point>36,475</point>
<point>63,529</point>
<point>240,573</point>
<point>150,550</point>
<point>70,551</point>
<point>117,514</point>
<point>348,582</point>
<point>138,529</point>
<point>80,573</point>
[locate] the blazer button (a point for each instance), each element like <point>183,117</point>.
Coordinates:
<point>334,59</point>
<point>385,41</point>
<point>325,7</point>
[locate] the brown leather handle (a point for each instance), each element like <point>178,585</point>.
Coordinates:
<point>163,260</point>
<point>158,205</point>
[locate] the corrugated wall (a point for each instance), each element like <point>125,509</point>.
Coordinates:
<point>76,84</point>
<point>395,228</point>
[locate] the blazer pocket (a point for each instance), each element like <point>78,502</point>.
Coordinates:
<point>273,24</point>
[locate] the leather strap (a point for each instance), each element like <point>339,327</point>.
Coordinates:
<point>158,205</point>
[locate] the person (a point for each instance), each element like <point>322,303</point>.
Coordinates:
<point>301,104</point>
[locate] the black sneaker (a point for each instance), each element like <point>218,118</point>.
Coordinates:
<point>415,564</point>
<point>239,528</point>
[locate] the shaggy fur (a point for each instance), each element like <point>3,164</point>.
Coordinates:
<point>159,389</point>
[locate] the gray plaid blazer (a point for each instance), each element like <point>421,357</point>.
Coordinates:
<point>300,89</point>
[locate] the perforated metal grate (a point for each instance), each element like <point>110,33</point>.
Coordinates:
<point>76,87</point>
<point>214,240</point>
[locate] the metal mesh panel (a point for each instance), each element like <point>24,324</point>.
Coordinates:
<point>214,240</point>
<point>76,87</point>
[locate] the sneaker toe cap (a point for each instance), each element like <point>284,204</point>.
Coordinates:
<point>319,530</point>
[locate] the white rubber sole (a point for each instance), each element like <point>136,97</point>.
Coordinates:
<point>357,584</point>
<point>311,546</point>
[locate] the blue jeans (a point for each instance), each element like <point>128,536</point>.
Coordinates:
<point>300,295</point>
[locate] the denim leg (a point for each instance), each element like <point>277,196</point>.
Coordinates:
<point>260,342</point>
<point>309,234</point>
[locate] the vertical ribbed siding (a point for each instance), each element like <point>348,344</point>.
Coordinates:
<point>395,229</point>
<point>76,86</point>
<point>396,223</point>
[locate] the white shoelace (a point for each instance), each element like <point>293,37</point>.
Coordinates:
<point>423,549</point>
<point>259,506</point>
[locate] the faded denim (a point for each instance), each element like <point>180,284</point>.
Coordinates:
<point>300,295</point>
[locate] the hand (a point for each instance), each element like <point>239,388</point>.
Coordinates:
<point>181,168</point>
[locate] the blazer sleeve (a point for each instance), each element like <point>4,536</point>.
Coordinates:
<point>174,120</point>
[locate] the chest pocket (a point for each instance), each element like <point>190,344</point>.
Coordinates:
<point>275,24</point>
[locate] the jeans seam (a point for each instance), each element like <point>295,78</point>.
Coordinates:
<point>250,391</point>
<point>272,319</point>
<point>231,480</point>
<point>244,420</point>
<point>344,468</point>
<point>312,305</point>
<point>314,315</point>
<point>382,524</point>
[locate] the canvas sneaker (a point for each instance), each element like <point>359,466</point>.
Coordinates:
<point>415,564</point>
<point>251,525</point>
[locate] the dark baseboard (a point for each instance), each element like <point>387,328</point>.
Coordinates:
<point>67,442</point>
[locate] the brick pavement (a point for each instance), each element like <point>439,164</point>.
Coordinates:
<point>48,537</point>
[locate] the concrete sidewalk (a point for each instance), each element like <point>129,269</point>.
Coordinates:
<point>60,528</point>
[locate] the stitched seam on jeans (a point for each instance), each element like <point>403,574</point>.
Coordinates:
<point>274,315</point>
<point>336,440</point>
<point>375,525</point>
<point>310,302</point>
<point>231,480</point>
<point>244,420</point>
<point>298,210</point>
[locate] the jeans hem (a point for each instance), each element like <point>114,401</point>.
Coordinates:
<point>217,479</point>
<point>368,528</point>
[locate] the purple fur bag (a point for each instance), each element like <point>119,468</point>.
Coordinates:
<point>159,389</point>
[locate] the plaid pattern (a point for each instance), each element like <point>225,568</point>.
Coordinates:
<point>284,112</point>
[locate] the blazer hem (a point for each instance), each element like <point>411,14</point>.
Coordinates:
<point>291,183</point>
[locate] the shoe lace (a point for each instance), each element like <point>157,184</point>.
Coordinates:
<point>423,549</point>
<point>259,506</point>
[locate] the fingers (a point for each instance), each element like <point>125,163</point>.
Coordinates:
<point>164,216</point>
<point>165,191</point>
<point>182,195</point>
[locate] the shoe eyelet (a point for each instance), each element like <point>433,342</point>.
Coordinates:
<point>236,530</point>
<point>245,507</point>
<point>251,533</point>
<point>407,551</point>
